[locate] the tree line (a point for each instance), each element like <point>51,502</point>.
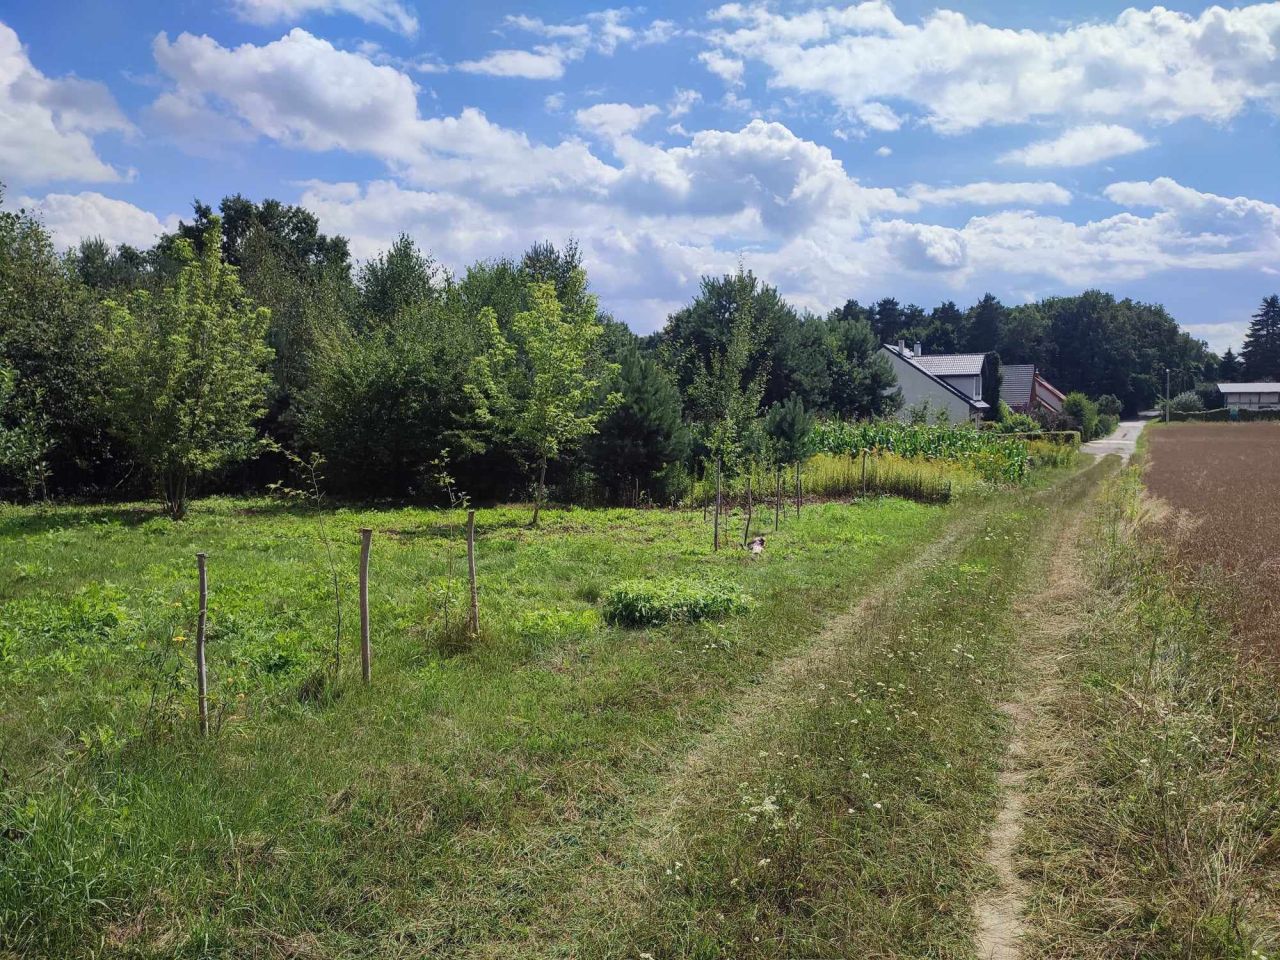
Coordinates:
<point>247,337</point>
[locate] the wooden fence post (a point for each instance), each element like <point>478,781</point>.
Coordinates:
<point>366,655</point>
<point>864,471</point>
<point>746,531</point>
<point>202,680</point>
<point>797,488</point>
<point>473,620</point>
<point>717,533</point>
<point>777,500</point>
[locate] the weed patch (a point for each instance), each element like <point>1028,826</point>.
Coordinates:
<point>639,603</point>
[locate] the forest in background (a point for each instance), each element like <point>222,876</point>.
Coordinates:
<point>248,342</point>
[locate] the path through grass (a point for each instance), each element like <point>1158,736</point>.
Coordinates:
<point>845,811</point>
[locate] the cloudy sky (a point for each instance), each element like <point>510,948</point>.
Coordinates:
<point>910,149</point>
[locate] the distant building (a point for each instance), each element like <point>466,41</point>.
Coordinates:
<point>946,381</point>
<point>1025,391</point>
<point>1250,396</point>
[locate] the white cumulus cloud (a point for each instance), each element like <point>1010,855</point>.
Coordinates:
<point>47,124</point>
<point>71,217</point>
<point>652,218</point>
<point>544,63</point>
<point>1155,64</point>
<point>615,119</point>
<point>1079,146</point>
<point>986,193</point>
<point>600,32</point>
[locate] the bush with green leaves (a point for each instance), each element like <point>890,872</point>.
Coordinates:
<point>1083,412</point>
<point>1187,402</point>
<point>638,603</point>
<point>1010,422</point>
<point>1109,405</point>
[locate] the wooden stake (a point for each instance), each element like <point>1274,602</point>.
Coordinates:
<point>717,533</point>
<point>797,488</point>
<point>777,500</point>
<point>473,621</point>
<point>746,531</point>
<point>366,655</point>
<point>202,680</point>
<point>864,471</point>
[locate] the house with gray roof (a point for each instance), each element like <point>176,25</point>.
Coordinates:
<point>1026,391</point>
<point>946,381</point>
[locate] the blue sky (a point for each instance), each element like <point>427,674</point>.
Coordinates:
<point>917,150</point>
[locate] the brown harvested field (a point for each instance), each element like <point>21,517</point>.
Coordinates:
<point>1226,478</point>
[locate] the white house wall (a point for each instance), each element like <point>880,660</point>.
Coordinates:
<point>917,387</point>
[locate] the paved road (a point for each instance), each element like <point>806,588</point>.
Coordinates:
<point>1122,441</point>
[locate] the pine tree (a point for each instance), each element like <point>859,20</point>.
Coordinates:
<point>1261,351</point>
<point>789,425</point>
<point>1229,367</point>
<point>645,432</point>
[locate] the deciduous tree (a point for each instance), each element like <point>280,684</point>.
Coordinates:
<point>537,379</point>
<point>185,371</point>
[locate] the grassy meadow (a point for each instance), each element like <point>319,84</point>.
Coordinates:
<point>810,771</point>
<point>438,808</point>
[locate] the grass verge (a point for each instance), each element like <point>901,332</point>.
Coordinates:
<point>1154,820</point>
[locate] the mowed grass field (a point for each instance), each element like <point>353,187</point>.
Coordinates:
<point>558,787</point>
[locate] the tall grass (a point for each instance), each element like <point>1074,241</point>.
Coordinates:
<point>924,481</point>
<point>827,476</point>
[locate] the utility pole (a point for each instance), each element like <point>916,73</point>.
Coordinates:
<point>1166,394</point>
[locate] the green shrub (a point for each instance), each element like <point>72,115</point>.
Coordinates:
<point>1187,402</point>
<point>1011,422</point>
<point>637,603</point>
<point>1109,405</point>
<point>1083,411</point>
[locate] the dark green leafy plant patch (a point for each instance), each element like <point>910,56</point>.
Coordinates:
<point>638,603</point>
